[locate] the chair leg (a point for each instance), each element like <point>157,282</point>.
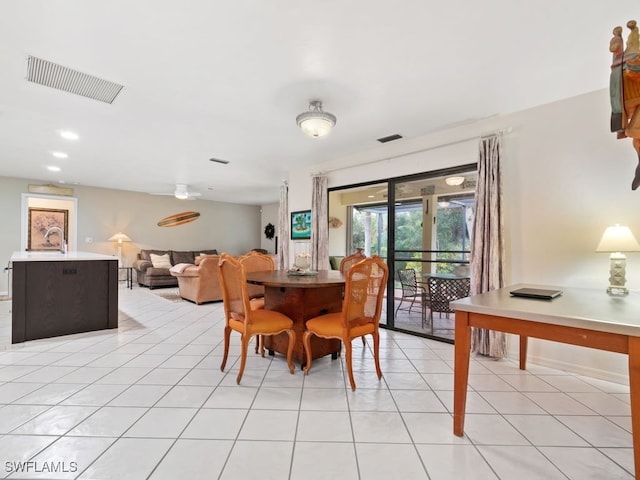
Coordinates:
<point>257,343</point>
<point>227,338</point>
<point>348,351</point>
<point>376,353</point>
<point>292,341</point>
<point>306,341</point>
<point>243,356</point>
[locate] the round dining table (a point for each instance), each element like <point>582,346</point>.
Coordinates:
<point>301,296</point>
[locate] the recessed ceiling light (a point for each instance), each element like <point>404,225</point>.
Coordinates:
<point>371,196</point>
<point>53,168</point>
<point>59,154</point>
<point>69,135</point>
<point>453,181</point>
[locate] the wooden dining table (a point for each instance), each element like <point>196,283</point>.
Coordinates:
<point>301,297</point>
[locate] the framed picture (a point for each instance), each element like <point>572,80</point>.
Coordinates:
<point>48,228</point>
<point>301,225</point>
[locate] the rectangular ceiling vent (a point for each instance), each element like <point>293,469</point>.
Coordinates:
<point>219,160</point>
<point>390,138</point>
<point>66,79</point>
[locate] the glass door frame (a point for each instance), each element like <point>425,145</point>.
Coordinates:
<point>391,184</point>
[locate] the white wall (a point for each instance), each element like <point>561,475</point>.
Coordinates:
<point>566,178</point>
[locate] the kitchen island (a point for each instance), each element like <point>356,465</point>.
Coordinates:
<point>58,293</point>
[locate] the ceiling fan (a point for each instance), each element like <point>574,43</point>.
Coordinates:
<point>181,192</point>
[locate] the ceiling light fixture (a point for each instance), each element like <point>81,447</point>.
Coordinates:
<point>53,168</point>
<point>316,122</point>
<point>59,154</point>
<point>69,135</point>
<point>454,181</point>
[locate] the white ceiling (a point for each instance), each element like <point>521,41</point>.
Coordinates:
<point>207,78</point>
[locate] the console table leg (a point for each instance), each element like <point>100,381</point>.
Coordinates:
<point>462,352</point>
<point>524,342</point>
<point>634,387</point>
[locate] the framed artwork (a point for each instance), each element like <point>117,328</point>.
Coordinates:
<point>301,225</point>
<point>48,227</point>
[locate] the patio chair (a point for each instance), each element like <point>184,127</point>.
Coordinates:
<point>412,290</point>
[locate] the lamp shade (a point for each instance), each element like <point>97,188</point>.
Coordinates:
<point>119,237</point>
<point>316,122</point>
<point>618,238</point>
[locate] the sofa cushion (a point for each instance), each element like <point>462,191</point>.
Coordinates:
<point>207,252</point>
<point>334,261</point>
<point>154,271</point>
<point>145,254</point>
<point>181,257</point>
<point>160,261</point>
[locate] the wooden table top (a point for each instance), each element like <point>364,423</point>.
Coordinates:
<point>587,308</point>
<point>280,278</point>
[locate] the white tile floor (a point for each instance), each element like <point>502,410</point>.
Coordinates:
<point>149,401</point>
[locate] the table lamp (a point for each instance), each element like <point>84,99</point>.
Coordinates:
<point>119,237</point>
<point>616,240</point>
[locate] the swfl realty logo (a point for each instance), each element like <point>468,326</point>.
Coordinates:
<point>40,467</point>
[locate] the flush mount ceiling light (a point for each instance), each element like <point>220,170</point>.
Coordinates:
<point>68,135</point>
<point>316,122</point>
<point>59,154</point>
<point>454,181</point>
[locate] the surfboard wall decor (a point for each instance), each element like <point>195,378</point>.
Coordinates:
<point>178,219</point>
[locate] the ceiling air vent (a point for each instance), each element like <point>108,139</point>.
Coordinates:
<point>218,160</point>
<point>66,79</point>
<point>390,138</point>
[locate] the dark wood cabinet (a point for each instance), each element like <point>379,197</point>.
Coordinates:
<point>52,298</point>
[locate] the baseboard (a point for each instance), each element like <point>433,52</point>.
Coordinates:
<point>607,375</point>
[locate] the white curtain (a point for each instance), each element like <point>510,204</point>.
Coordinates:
<point>487,243</point>
<point>319,224</point>
<point>283,228</point>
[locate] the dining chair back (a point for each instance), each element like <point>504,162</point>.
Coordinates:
<point>255,261</point>
<point>360,315</point>
<point>347,262</point>
<point>443,290</point>
<point>240,317</point>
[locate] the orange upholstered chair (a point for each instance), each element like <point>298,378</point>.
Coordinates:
<point>240,317</point>
<point>257,262</point>
<point>360,313</point>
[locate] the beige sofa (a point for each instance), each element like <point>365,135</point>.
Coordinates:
<point>153,277</point>
<point>199,282</point>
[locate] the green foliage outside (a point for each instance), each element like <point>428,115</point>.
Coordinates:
<point>452,235</point>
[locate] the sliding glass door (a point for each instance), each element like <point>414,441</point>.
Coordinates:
<point>421,226</point>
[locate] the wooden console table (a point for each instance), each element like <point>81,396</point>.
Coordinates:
<point>584,317</point>
<point>301,298</point>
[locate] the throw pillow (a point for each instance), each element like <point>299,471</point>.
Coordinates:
<point>160,261</point>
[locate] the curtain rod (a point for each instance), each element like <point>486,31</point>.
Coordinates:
<point>500,131</point>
